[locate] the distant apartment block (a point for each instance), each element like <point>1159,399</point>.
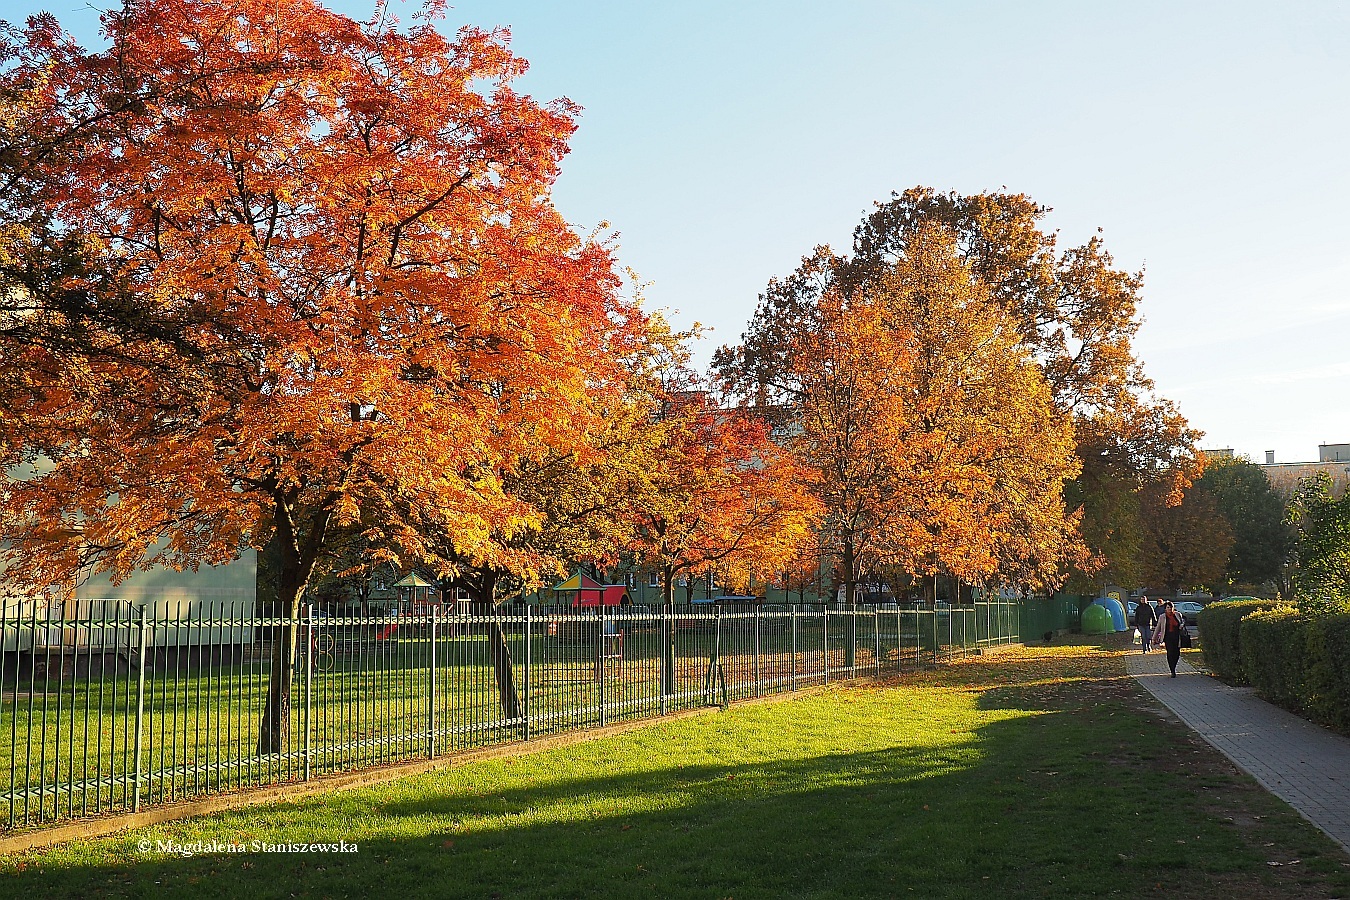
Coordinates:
<point>1334,459</point>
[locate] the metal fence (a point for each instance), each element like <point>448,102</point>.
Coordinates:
<point>109,707</point>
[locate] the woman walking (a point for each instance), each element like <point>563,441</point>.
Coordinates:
<point>1171,623</point>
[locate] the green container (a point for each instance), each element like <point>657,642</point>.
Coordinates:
<point>1097,620</point>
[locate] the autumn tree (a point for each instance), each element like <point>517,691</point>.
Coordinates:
<point>719,494</point>
<point>1073,310</point>
<point>360,310</point>
<point>584,494</point>
<point>1184,545</point>
<point>936,443</point>
<point>59,306</point>
<point>851,411</point>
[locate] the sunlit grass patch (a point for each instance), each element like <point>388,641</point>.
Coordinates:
<point>1035,772</point>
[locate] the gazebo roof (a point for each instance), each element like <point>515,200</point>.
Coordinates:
<point>413,580</point>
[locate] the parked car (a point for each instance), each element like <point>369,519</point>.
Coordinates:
<point>1189,609</point>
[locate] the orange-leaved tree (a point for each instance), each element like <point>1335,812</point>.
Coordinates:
<point>719,495</point>
<point>1073,310</point>
<point>937,444</point>
<point>988,453</point>
<point>363,310</point>
<point>583,492</point>
<point>853,412</point>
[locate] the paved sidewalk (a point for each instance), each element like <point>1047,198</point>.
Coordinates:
<point>1303,764</point>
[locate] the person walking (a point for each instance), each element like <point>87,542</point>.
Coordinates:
<point>1171,623</point>
<point>1144,620</point>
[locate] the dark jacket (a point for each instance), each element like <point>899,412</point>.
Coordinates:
<point>1144,615</point>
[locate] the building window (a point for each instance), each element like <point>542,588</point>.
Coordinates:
<point>654,580</point>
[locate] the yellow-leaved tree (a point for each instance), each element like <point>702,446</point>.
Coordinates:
<point>931,430</point>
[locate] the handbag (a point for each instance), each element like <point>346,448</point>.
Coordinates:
<point>1184,638</point>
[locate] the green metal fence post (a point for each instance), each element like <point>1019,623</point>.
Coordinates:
<point>899,638</point>
<point>794,648</point>
<point>666,666</point>
<point>667,655</point>
<point>876,634</point>
<point>600,660</point>
<point>935,632</point>
<point>431,686</point>
<point>140,713</point>
<point>851,650</point>
<point>825,645</point>
<point>309,681</point>
<point>757,650</point>
<point>529,659</point>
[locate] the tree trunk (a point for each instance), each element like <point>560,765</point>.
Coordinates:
<point>668,585</point>
<point>503,666</point>
<point>274,731</point>
<point>296,560</point>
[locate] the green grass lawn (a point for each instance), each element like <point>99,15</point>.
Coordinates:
<point>1041,772</point>
<point>365,702</point>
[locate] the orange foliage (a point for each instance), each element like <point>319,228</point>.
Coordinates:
<point>358,309</point>
<point>720,496</point>
<point>933,432</point>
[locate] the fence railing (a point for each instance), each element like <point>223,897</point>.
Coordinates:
<point>109,707</point>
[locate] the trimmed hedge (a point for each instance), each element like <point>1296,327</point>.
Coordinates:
<point>1274,654</point>
<point>1300,662</point>
<point>1219,635</point>
<point>1328,680</point>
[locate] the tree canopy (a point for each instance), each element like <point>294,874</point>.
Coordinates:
<point>326,293</point>
<point>1186,545</point>
<point>930,429</point>
<point>1070,311</point>
<point>1322,552</point>
<point>1262,538</point>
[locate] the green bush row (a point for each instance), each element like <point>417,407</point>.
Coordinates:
<point>1300,662</point>
<point>1273,658</point>
<point>1327,693</point>
<point>1219,635</point>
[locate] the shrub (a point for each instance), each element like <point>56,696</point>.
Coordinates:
<point>1219,635</point>
<point>1274,644</point>
<point>1327,695</point>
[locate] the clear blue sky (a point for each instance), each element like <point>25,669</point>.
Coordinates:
<point>1209,140</point>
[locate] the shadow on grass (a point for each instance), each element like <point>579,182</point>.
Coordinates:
<point>1034,788</point>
